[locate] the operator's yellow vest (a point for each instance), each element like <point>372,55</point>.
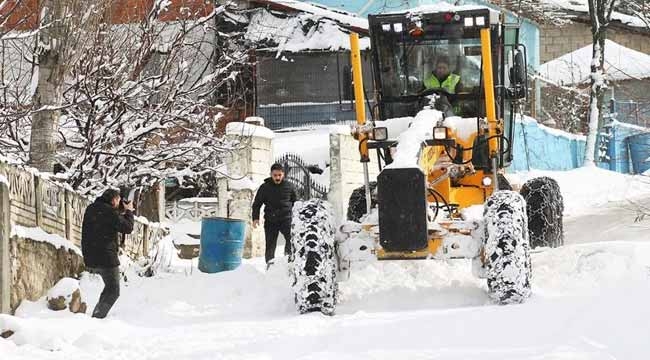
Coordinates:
<point>449,85</point>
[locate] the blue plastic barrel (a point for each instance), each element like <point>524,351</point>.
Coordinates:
<point>222,244</point>
<point>640,152</point>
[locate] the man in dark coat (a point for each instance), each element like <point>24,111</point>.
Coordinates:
<point>99,244</point>
<point>277,195</point>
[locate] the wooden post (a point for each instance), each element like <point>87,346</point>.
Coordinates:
<point>38,194</point>
<point>5,234</point>
<point>145,240</point>
<point>68,215</point>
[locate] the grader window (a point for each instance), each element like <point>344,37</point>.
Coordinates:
<point>409,68</point>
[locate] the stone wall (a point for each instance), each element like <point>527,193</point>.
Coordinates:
<point>556,41</point>
<point>36,266</point>
<point>346,171</point>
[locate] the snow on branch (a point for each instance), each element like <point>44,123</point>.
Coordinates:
<point>143,101</point>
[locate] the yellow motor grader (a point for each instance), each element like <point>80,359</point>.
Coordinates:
<point>442,147</point>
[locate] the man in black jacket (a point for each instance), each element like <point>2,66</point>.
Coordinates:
<point>99,244</point>
<point>277,195</point>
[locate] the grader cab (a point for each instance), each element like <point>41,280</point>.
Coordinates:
<point>449,85</point>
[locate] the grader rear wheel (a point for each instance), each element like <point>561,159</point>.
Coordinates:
<point>544,206</point>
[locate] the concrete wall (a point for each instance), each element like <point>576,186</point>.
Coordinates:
<point>556,41</point>
<point>30,200</point>
<point>346,171</point>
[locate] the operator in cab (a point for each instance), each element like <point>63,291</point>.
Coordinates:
<point>442,78</point>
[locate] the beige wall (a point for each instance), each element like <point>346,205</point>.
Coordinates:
<point>556,41</point>
<point>346,171</point>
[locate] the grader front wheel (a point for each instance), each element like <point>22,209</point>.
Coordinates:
<point>506,248</point>
<point>313,263</point>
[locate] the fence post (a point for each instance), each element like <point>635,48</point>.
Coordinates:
<point>68,214</point>
<point>5,234</point>
<point>145,240</point>
<point>38,194</point>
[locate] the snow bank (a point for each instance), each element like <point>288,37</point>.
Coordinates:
<point>586,189</point>
<point>182,230</point>
<point>244,129</point>
<point>64,287</point>
<point>395,305</point>
<point>621,63</point>
<point>38,234</point>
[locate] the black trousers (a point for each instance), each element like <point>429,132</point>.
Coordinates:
<point>271,231</point>
<point>111,292</point>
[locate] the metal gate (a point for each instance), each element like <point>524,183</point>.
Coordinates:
<point>297,173</point>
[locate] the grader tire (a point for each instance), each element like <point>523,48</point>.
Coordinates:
<point>544,206</point>
<point>313,263</point>
<point>357,203</point>
<point>506,248</point>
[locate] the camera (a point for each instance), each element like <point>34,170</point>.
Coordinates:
<point>122,203</point>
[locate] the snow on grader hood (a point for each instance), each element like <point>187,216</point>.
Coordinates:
<point>443,153</point>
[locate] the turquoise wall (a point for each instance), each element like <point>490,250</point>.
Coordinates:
<point>542,148</point>
<point>539,147</point>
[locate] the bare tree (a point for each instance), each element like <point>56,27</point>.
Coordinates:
<point>63,24</point>
<point>145,100</point>
<point>16,48</point>
<point>600,12</point>
<point>132,102</point>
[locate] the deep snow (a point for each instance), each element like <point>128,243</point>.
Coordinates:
<point>590,301</point>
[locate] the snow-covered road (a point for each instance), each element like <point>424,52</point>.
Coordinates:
<point>590,301</point>
<point>610,222</point>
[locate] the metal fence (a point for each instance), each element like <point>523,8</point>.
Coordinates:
<point>298,173</point>
<point>191,210</point>
<point>631,112</point>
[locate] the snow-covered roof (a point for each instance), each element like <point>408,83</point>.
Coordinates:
<point>312,27</point>
<point>574,68</point>
<point>582,6</point>
<point>302,32</point>
<point>439,7</point>
<point>340,16</point>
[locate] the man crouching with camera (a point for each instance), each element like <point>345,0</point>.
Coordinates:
<point>102,222</point>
